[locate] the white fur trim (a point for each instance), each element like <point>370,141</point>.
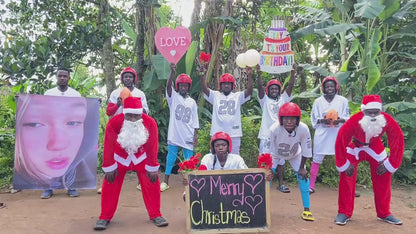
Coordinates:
<point>389,167</point>
<point>151,168</point>
<point>378,157</point>
<point>133,111</point>
<point>372,105</point>
<point>131,158</point>
<point>139,159</point>
<point>344,167</point>
<point>110,168</point>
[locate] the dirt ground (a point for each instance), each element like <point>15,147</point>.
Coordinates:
<point>25,212</point>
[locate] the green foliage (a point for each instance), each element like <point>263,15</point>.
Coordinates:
<point>7,123</point>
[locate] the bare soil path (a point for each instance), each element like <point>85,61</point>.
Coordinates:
<point>25,212</point>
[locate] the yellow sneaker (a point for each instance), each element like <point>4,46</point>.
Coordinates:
<point>164,187</point>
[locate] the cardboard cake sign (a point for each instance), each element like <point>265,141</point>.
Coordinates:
<point>173,44</point>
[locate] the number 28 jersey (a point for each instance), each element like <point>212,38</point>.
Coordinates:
<point>183,120</point>
<point>226,112</point>
<point>287,146</point>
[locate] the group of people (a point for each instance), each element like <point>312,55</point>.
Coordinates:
<point>131,139</point>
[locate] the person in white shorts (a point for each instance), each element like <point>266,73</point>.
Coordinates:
<point>290,140</point>
<point>226,106</point>
<point>270,105</point>
<point>326,130</point>
<point>183,121</point>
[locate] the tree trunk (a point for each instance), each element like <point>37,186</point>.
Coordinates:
<point>140,30</point>
<point>107,49</point>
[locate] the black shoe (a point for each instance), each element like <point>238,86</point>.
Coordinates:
<point>282,188</point>
<point>311,190</point>
<point>101,225</point>
<point>357,194</point>
<point>341,219</point>
<point>391,219</point>
<point>160,221</point>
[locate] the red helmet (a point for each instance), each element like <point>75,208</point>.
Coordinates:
<point>185,79</point>
<point>221,136</point>
<point>328,79</point>
<point>273,82</point>
<point>289,109</point>
<point>130,70</point>
<point>227,77</point>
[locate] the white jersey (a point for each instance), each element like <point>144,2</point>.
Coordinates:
<point>183,120</point>
<point>135,93</point>
<point>285,145</point>
<point>70,92</point>
<point>325,136</point>
<point>226,112</point>
<point>270,108</point>
<point>234,161</point>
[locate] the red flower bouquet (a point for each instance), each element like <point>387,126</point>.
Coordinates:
<point>204,57</point>
<point>265,161</point>
<point>190,164</point>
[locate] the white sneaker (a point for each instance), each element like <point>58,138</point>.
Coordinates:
<point>164,186</point>
<point>139,187</point>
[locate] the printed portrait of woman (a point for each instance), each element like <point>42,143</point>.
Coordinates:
<point>56,142</point>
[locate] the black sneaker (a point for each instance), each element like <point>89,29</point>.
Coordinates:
<point>160,221</point>
<point>101,225</point>
<point>341,219</point>
<point>391,219</point>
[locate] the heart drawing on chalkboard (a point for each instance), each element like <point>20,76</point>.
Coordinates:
<point>253,181</point>
<point>253,202</point>
<point>197,185</point>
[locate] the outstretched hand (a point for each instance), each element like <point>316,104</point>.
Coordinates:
<point>381,169</point>
<point>269,175</point>
<point>111,176</point>
<point>303,174</point>
<point>350,170</point>
<point>153,176</point>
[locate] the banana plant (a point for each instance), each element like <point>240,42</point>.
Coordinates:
<point>363,36</point>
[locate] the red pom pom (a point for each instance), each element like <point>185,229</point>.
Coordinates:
<point>202,168</point>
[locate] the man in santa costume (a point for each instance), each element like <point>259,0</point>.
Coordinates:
<point>358,140</point>
<point>130,143</point>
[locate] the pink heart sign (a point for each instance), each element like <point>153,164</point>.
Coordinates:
<point>173,44</point>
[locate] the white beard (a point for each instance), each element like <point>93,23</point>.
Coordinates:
<point>132,135</point>
<point>372,128</point>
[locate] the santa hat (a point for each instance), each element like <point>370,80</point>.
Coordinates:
<point>371,102</point>
<point>133,105</point>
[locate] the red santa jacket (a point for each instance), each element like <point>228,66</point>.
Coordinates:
<point>351,140</point>
<point>113,152</point>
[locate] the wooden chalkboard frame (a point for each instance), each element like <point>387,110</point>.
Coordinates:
<point>265,228</point>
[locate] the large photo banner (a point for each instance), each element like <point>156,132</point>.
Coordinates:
<point>56,142</point>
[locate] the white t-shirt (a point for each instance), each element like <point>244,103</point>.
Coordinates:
<point>234,161</point>
<point>325,136</point>
<point>270,108</point>
<point>226,112</point>
<point>183,120</point>
<point>135,93</point>
<point>287,146</point>
<point>70,92</point>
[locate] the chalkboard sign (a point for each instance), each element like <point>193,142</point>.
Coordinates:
<point>224,201</point>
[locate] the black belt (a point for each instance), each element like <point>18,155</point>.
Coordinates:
<point>359,142</point>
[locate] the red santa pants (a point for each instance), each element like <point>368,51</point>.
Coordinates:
<point>381,188</point>
<point>111,192</point>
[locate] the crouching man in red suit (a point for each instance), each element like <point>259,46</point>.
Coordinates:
<point>130,143</point>
<point>359,139</point>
